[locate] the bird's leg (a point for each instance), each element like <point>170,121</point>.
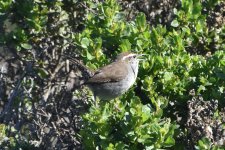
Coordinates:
<point>116,106</point>
<point>95,101</point>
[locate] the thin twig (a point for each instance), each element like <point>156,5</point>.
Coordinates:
<point>11,98</point>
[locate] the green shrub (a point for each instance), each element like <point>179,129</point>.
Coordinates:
<point>170,72</point>
<point>128,125</point>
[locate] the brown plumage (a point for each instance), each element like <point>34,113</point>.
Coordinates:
<point>117,71</point>
<point>104,75</point>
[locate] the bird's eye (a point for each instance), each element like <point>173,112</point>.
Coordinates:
<point>134,56</point>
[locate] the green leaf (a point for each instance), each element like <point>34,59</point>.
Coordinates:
<point>141,21</point>
<point>89,56</point>
<point>204,143</point>
<point>85,42</point>
<point>133,111</point>
<point>98,44</point>
<point>102,137</point>
<point>199,26</point>
<point>26,46</point>
<point>145,112</point>
<point>120,146</point>
<point>197,7</point>
<point>139,43</point>
<point>168,76</point>
<point>125,45</point>
<point>201,88</point>
<point>42,72</point>
<point>169,141</point>
<point>2,130</point>
<point>175,23</point>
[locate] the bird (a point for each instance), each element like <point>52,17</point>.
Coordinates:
<point>114,79</point>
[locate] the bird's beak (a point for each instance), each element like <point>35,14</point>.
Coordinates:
<point>140,57</point>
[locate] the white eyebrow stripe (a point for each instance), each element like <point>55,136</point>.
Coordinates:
<point>130,55</point>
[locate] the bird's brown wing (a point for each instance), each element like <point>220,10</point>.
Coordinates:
<point>109,73</point>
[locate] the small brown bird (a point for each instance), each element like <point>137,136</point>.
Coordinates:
<point>116,78</point>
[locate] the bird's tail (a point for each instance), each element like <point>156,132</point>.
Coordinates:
<point>86,72</point>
